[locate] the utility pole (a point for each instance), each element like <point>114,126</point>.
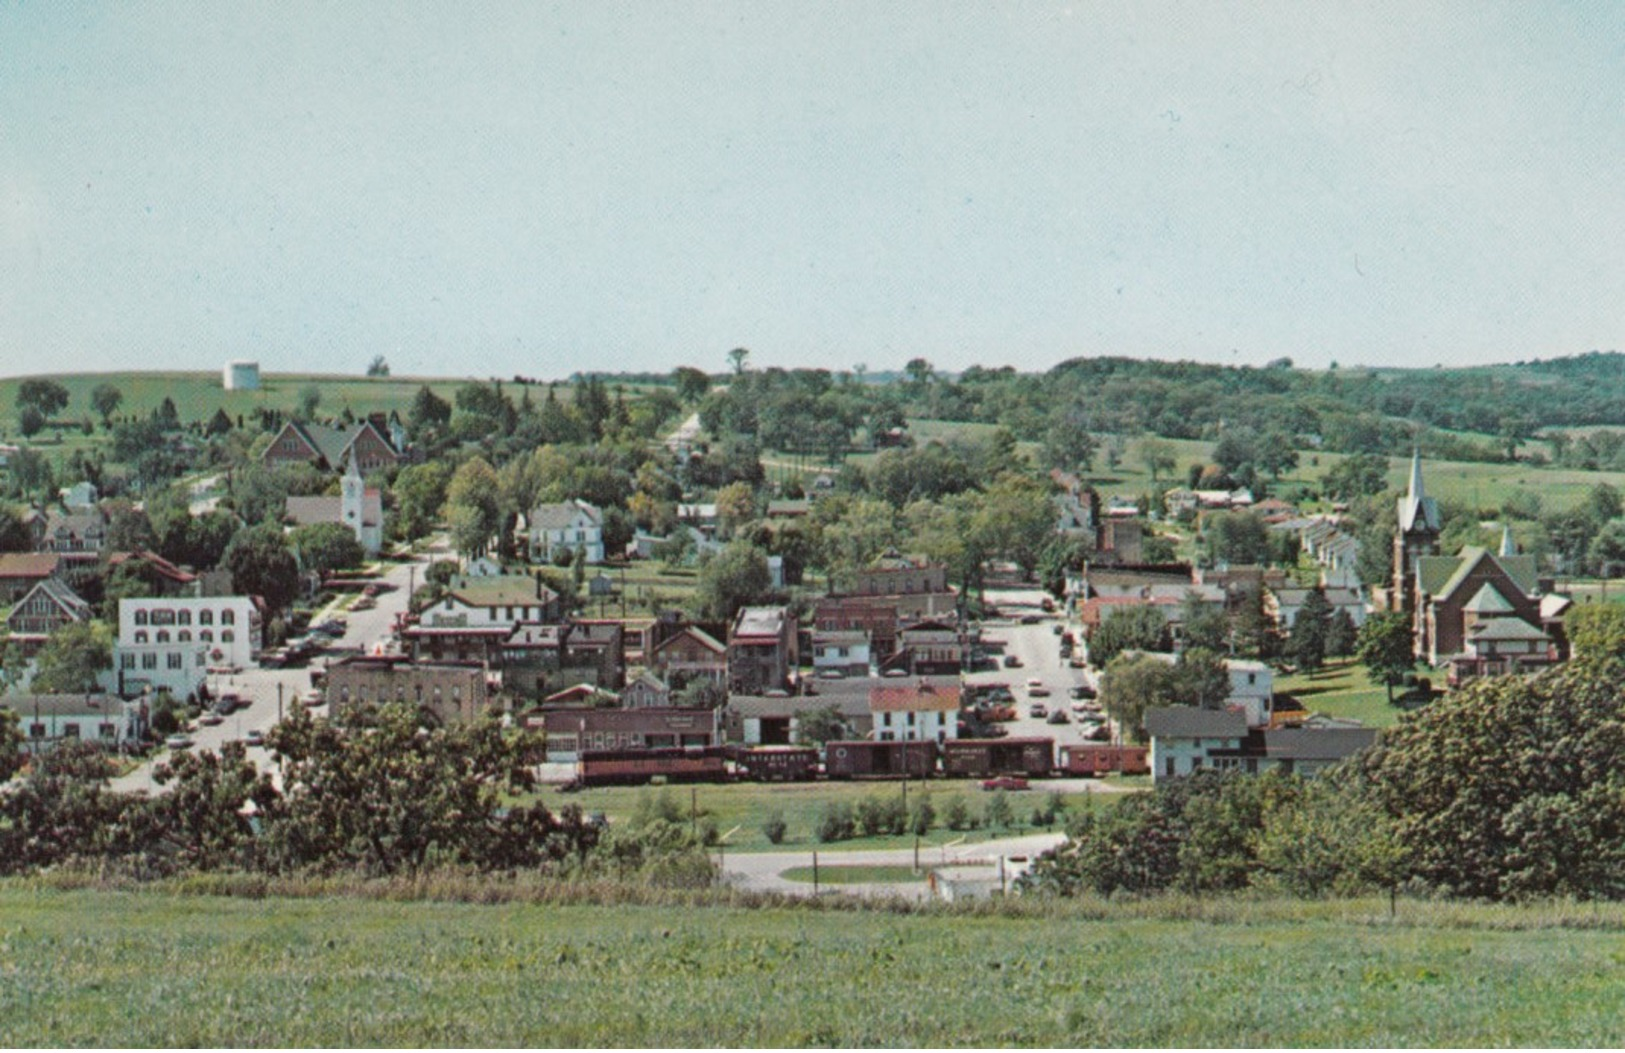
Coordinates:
<point>279,686</point>
<point>815,872</point>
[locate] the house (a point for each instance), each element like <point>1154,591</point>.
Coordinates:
<point>78,537</point>
<point>841,653</point>
<point>358,507</point>
<point>538,659</point>
<point>646,691</point>
<point>702,517</point>
<point>915,712</point>
<point>164,577</point>
<point>882,617</point>
<point>930,648</point>
<point>896,575</point>
<point>505,600</point>
<point>458,643</point>
<point>170,642</point>
<point>568,526</point>
<point>1185,739</point>
<point>762,650</point>
<point>21,572</point>
<point>687,654</point>
<point>450,692</point>
<point>47,607</point>
<point>47,720</point>
<point>327,447</point>
<point>1252,688</point>
<point>571,730</point>
<point>1283,604</point>
<point>776,720</point>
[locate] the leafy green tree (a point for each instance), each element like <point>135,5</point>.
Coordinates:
<point>474,506</point>
<point>1157,455</point>
<point>1068,444</point>
<point>310,397</point>
<point>46,396</point>
<point>1202,678</point>
<point>1132,627</point>
<point>14,536</point>
<point>1204,624</point>
<point>1238,538</point>
<point>261,565</point>
<point>428,412</point>
<point>200,821</point>
<point>30,421</point>
<point>1357,476</point>
<point>822,726</point>
<point>1133,684</point>
<point>1596,630</point>
<point>1310,631</point>
<point>999,813</point>
<point>692,384</point>
<point>1385,648</point>
<point>326,547</point>
<point>105,399</point>
<point>420,492</point>
<point>1342,635</point>
<point>378,367</point>
<point>1016,520</point>
<point>62,811</point>
<point>735,577</point>
<point>11,743</point>
<point>74,659</point>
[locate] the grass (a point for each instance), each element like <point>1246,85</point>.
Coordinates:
<point>150,968</point>
<point>1343,688</point>
<point>739,810</point>
<point>854,875</point>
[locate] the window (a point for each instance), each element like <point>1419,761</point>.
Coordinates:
<point>149,661</point>
<point>140,636</point>
<point>36,731</point>
<point>202,658</point>
<point>174,660</point>
<point>184,618</point>
<point>70,731</point>
<point>228,617</point>
<point>226,636</point>
<point>126,661</point>
<point>163,636</point>
<point>205,617</point>
<point>206,635</point>
<point>184,636</point>
<point>106,731</point>
<point>163,617</point>
<point>140,617</point>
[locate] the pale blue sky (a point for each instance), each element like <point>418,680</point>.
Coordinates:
<point>545,188</point>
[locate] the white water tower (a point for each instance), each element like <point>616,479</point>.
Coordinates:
<point>241,376</point>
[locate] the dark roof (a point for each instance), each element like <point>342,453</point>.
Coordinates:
<point>1188,722</point>
<point>850,706</point>
<point>1317,743</point>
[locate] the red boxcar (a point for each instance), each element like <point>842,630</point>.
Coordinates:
<point>603,767</point>
<point>863,759</point>
<point>777,763</point>
<point>1093,759</point>
<point>978,758</point>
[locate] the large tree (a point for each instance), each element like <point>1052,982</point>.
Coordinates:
<point>1311,629</point>
<point>474,505</point>
<point>1385,648</point>
<point>326,547</point>
<point>735,577</point>
<point>1133,627</point>
<point>261,565</point>
<point>74,659</point>
<point>105,400</point>
<point>46,396</point>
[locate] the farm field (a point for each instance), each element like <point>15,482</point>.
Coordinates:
<point>742,808</point>
<point>149,968</point>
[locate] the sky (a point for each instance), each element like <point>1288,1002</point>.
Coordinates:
<point>490,189</point>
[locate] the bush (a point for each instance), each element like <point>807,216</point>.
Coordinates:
<point>835,823</point>
<point>882,814</point>
<point>773,827</point>
<point>998,813</point>
<point>957,815</point>
<point>922,816</point>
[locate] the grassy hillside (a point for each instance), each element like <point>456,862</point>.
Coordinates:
<point>139,969</point>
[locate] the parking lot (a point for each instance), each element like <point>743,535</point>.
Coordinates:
<point>1037,648</point>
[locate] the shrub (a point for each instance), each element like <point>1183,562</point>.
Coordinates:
<point>773,827</point>
<point>835,823</point>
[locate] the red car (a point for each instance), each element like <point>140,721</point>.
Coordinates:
<point>1005,782</point>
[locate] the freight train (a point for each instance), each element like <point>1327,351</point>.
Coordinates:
<point>860,759</point>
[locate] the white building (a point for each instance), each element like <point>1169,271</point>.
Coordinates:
<point>171,642</point>
<point>497,600</point>
<point>241,376</point>
<point>922,712</point>
<point>566,526</point>
<point>47,720</point>
<point>1183,739</point>
<point>843,652</point>
<point>359,508</point>
<point>79,495</point>
<point>1252,686</point>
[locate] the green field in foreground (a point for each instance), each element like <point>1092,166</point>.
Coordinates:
<point>141,969</point>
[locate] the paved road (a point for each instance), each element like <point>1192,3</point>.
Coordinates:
<point>759,871</point>
<point>365,631</point>
<point>1038,649</point>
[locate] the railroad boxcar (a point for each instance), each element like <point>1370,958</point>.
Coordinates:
<point>979,758</point>
<point>777,763</point>
<point>863,759</point>
<point>1100,759</point>
<point>605,767</point>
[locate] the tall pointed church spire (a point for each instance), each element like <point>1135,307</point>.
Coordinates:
<point>1416,474</point>
<point>1508,546</point>
<point>1418,511</point>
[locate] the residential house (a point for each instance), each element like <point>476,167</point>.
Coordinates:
<point>22,572</point>
<point>687,654</point>
<point>1283,604</point>
<point>930,648</point>
<point>49,720</point>
<point>451,692</point>
<point>329,446</point>
<point>646,691</point>
<point>163,577</point>
<point>539,659</point>
<point>568,526</point>
<point>499,600</point>
<point>47,607</point>
<point>81,495</point>
<point>78,537</point>
<point>841,653</point>
<point>358,507</point>
<point>762,650</point>
<point>571,730</point>
<point>915,712</point>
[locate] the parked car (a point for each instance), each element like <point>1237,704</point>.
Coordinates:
<point>365,603</point>
<point>1058,717</point>
<point>1005,782</point>
<point>1058,628</point>
<point>178,742</point>
<point>1031,619</point>
<point>313,698</point>
<point>255,737</point>
<point>1012,662</point>
<point>1100,734</point>
<point>1037,710</point>
<point>1038,692</point>
<point>211,719</point>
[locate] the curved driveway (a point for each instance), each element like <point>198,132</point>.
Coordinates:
<point>759,871</point>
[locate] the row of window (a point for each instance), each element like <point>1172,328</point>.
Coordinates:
<point>172,660</point>
<point>165,616</point>
<point>71,731</point>
<point>185,636</point>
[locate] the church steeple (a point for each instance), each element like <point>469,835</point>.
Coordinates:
<point>1417,511</point>
<point>1417,536</point>
<point>1508,546</point>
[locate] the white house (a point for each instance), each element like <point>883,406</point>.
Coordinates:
<point>47,720</point>
<point>922,712</point>
<point>842,652</point>
<point>170,642</point>
<point>497,600</point>
<point>1252,686</point>
<point>567,526</point>
<point>1183,738</point>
